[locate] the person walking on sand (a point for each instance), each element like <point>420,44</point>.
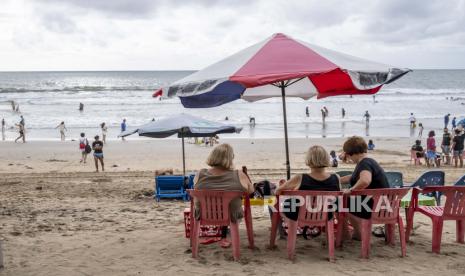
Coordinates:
<point>446,121</point>
<point>83,144</point>
<point>97,146</point>
<point>62,128</point>
<point>3,129</point>
<point>123,128</point>
<point>104,128</point>
<point>21,133</point>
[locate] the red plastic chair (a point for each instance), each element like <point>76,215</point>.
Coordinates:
<point>386,205</point>
<point>214,211</point>
<point>453,209</point>
<point>319,201</point>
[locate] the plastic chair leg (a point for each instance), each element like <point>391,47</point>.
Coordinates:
<point>249,227</point>
<point>389,234</point>
<point>291,238</point>
<point>437,235</point>
<point>330,239</point>
<point>274,228</point>
<point>235,241</point>
<point>409,219</point>
<point>340,229</point>
<point>460,227</point>
<point>195,237</point>
<point>365,226</point>
<point>403,243</point>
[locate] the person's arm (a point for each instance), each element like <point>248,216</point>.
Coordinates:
<point>345,179</point>
<point>246,183</point>
<point>291,184</point>
<point>196,179</point>
<point>363,181</point>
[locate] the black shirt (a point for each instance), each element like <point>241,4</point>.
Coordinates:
<point>446,139</point>
<point>378,180</point>
<point>97,143</point>
<point>417,148</point>
<point>458,140</point>
<point>309,183</point>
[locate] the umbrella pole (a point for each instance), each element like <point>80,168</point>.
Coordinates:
<point>286,139</point>
<point>183,156</point>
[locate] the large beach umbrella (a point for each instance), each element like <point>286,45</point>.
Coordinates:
<point>184,125</point>
<point>281,66</point>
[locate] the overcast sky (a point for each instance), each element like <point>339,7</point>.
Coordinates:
<point>177,34</point>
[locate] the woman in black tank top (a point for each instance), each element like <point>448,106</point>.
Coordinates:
<point>317,180</point>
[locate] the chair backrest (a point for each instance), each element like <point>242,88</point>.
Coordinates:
<point>454,207</point>
<point>460,181</point>
<point>314,205</point>
<point>386,203</point>
<point>395,179</point>
<point>214,205</point>
<point>344,173</point>
<point>169,182</point>
<point>430,178</point>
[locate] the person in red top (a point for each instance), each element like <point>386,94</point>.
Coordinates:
<point>431,157</point>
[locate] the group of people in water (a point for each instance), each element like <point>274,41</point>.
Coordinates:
<point>368,174</point>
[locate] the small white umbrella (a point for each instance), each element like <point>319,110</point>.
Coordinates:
<point>184,125</point>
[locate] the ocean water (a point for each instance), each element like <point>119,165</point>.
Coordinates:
<point>47,98</point>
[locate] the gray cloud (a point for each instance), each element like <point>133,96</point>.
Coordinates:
<point>58,22</point>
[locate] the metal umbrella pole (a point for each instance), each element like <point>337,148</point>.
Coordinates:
<point>183,154</point>
<point>286,139</point>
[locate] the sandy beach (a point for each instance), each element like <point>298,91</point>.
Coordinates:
<point>58,217</point>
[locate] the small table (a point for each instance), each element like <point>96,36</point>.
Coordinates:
<point>423,200</point>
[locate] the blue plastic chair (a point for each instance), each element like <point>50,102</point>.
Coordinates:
<point>460,181</point>
<point>395,179</point>
<point>170,186</point>
<point>431,178</point>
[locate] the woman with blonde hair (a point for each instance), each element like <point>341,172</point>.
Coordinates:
<point>317,159</point>
<point>222,176</point>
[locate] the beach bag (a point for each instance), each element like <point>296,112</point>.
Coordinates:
<point>87,148</point>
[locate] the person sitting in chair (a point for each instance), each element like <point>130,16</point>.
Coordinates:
<point>222,176</point>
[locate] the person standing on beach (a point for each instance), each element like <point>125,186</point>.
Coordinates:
<point>343,113</point>
<point>457,147</point>
<point>326,111</point>
<point>431,157</point>
<point>413,121</point>
<point>420,132</point>
<point>454,123</point>
<point>62,128</point>
<point>446,121</point>
<point>307,112</point>
<point>104,128</point>
<point>97,146</point>
<point>3,129</point>
<point>123,128</point>
<point>367,118</point>
<point>445,145</point>
<point>81,107</point>
<point>83,144</point>
<point>323,116</point>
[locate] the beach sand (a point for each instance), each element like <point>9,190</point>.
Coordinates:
<point>58,217</point>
